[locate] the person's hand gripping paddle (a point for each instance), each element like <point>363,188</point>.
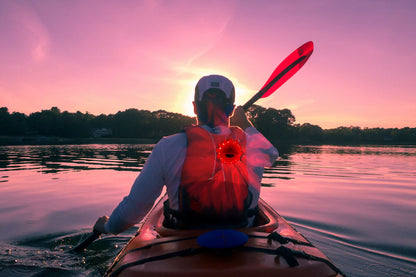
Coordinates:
<point>286,69</point>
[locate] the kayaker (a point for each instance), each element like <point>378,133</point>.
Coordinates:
<point>212,171</point>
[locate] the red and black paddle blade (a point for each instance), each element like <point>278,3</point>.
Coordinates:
<point>286,69</point>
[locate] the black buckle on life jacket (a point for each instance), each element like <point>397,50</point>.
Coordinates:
<point>172,217</point>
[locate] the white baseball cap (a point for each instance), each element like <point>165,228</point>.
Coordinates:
<point>214,82</point>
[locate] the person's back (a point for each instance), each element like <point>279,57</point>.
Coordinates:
<point>213,190</point>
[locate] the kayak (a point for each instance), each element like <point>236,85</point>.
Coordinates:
<point>271,248</point>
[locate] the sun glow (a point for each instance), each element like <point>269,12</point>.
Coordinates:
<point>187,88</point>
<point>242,93</point>
<point>187,96</point>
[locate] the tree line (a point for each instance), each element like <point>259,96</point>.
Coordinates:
<point>277,125</point>
<point>131,123</point>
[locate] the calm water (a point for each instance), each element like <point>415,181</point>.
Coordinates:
<point>357,204</point>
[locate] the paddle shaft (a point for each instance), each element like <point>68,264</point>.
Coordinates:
<point>84,244</point>
<point>259,94</point>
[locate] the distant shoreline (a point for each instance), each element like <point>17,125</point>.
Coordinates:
<point>43,140</point>
<point>142,126</point>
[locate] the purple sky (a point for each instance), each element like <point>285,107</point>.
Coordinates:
<point>107,56</point>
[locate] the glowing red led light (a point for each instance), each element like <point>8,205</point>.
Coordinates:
<point>229,151</point>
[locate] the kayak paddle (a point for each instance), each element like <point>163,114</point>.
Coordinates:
<point>286,69</point>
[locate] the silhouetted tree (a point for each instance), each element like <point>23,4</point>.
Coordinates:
<point>131,123</point>
<point>310,132</point>
<point>5,122</point>
<point>46,122</point>
<point>274,124</point>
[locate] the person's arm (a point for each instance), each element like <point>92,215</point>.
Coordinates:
<point>145,190</point>
<point>260,151</point>
<point>240,119</point>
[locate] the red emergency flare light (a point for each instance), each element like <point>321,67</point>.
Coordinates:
<point>229,151</point>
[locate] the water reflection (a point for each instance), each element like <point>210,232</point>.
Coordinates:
<point>53,159</point>
<point>294,159</point>
<point>347,162</point>
<point>355,203</point>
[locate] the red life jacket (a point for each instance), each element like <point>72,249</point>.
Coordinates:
<point>214,182</point>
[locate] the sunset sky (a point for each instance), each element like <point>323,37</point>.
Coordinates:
<point>108,56</point>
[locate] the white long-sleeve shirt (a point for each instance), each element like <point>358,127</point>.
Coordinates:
<point>164,168</point>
